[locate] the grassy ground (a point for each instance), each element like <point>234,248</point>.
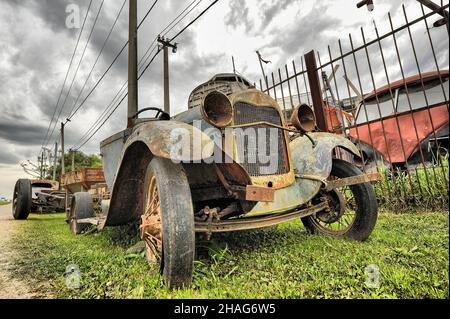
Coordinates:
<point>4,203</point>
<point>411,251</point>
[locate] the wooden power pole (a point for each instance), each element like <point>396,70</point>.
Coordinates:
<point>63,168</point>
<point>73,160</point>
<point>165,43</point>
<point>55,161</point>
<point>132,64</point>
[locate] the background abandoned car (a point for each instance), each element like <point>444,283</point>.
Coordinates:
<point>405,121</point>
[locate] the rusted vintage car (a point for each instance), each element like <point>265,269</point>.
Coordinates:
<point>175,192</point>
<point>411,123</point>
<point>36,196</point>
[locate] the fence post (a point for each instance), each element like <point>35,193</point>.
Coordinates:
<point>316,91</point>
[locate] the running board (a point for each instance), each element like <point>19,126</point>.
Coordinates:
<point>256,222</point>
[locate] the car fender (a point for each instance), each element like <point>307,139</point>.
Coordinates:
<point>163,140</point>
<point>148,140</point>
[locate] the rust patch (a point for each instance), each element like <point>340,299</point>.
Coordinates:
<point>259,194</point>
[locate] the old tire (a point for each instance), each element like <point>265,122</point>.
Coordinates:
<point>81,207</point>
<point>22,199</point>
<point>167,227</point>
<point>364,207</point>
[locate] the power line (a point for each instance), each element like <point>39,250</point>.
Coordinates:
<point>105,111</point>
<point>123,98</point>
<point>78,67</point>
<point>148,12</point>
<point>109,67</point>
<point>98,57</point>
<point>171,25</point>
<point>193,21</point>
<point>103,123</point>
<point>67,75</point>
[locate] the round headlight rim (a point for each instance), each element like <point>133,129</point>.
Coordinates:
<point>296,118</point>
<point>208,119</point>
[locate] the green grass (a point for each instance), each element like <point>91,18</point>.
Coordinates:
<point>411,251</point>
<point>4,203</point>
<point>424,188</point>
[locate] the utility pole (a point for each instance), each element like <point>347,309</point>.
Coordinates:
<point>55,160</point>
<point>165,44</point>
<point>41,165</point>
<point>63,168</point>
<point>73,160</point>
<point>132,64</point>
<point>234,65</point>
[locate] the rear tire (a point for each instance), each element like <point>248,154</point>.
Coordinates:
<point>22,199</point>
<point>364,210</point>
<point>168,227</point>
<point>81,208</point>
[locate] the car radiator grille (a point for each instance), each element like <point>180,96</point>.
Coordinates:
<point>247,114</point>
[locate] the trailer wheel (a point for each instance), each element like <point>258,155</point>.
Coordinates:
<point>81,208</point>
<point>167,227</point>
<point>353,209</point>
<point>22,199</point>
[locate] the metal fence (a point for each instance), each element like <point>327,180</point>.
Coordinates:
<point>389,95</point>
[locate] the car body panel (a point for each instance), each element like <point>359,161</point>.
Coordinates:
<point>313,165</point>
<point>397,134</point>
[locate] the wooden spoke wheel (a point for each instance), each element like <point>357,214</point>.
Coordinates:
<point>151,228</point>
<point>167,222</point>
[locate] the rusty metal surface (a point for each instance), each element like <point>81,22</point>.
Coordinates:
<point>308,160</point>
<point>316,91</point>
<point>82,179</point>
<point>259,99</point>
<point>148,139</point>
<point>259,194</point>
<point>48,201</point>
<point>157,135</point>
<point>240,224</point>
<point>111,150</point>
<point>354,180</point>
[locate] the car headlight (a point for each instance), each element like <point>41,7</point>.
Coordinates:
<point>303,118</point>
<point>217,109</point>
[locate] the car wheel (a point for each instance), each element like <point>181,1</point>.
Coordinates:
<point>353,209</point>
<point>21,207</point>
<point>81,207</point>
<point>167,226</point>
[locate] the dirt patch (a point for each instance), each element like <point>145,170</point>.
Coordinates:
<point>10,286</point>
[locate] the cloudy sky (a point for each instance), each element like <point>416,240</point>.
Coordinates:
<point>36,46</point>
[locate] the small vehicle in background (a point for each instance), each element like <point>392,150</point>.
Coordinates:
<point>412,121</point>
<point>37,196</point>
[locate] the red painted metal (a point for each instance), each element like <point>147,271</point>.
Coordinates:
<point>424,119</point>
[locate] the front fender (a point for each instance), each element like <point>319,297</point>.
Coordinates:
<point>148,140</point>
<point>310,160</point>
<point>163,140</point>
